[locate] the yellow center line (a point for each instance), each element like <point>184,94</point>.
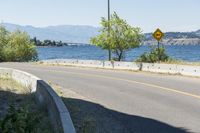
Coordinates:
<point>133,81</point>
<point>142,83</point>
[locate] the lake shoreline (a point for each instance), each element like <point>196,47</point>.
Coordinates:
<point>186,53</point>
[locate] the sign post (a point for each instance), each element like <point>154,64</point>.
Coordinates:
<point>158,35</point>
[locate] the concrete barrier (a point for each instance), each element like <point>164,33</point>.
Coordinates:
<point>187,70</point>
<point>5,73</point>
<point>68,62</point>
<point>159,68</point>
<point>90,63</point>
<point>46,97</point>
<point>108,64</point>
<point>127,66</point>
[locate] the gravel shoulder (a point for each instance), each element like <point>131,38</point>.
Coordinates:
<point>89,117</point>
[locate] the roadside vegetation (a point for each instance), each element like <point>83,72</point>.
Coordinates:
<point>19,112</point>
<point>16,46</point>
<point>155,55</point>
<point>118,36</point>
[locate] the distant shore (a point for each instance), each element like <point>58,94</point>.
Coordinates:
<point>181,41</point>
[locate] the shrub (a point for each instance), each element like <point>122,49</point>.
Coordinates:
<point>155,55</point>
<point>19,121</point>
<point>16,46</point>
<point>89,125</point>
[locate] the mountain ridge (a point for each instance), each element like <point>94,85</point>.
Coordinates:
<point>65,33</point>
<point>83,33</point>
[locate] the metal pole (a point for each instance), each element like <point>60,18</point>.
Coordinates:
<point>159,51</point>
<point>109,50</point>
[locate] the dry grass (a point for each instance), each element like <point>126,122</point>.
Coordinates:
<point>179,62</point>
<point>56,88</point>
<point>12,86</point>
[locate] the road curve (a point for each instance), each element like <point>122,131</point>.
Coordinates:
<point>152,103</point>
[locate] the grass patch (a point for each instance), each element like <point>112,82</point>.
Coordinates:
<point>56,88</point>
<point>180,62</point>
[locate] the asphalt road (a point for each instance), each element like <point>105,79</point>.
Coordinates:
<point>142,102</point>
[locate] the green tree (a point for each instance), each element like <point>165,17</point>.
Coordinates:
<point>54,43</point>
<point>47,43</point>
<point>118,35</point>
<point>35,40</point>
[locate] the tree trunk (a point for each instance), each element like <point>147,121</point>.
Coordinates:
<point>120,55</point>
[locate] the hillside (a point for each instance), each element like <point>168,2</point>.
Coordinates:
<point>176,35</point>
<point>198,32</point>
<point>176,38</point>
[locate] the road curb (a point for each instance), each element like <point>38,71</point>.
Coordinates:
<point>46,97</point>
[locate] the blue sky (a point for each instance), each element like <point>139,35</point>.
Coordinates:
<point>169,15</point>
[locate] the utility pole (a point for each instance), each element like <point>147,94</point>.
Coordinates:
<point>109,50</point>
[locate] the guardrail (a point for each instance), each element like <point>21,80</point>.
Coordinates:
<point>46,97</point>
<point>186,70</point>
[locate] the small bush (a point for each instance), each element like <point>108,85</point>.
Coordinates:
<point>23,120</point>
<point>16,47</point>
<point>156,55</point>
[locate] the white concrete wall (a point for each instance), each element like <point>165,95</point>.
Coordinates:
<point>108,64</point>
<point>26,79</point>
<point>148,67</point>
<point>46,97</point>
<point>5,73</point>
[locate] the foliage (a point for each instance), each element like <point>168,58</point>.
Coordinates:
<point>16,46</point>
<point>47,43</point>
<point>156,55</point>
<point>89,125</point>
<point>19,121</point>
<point>118,36</point>
<point>19,112</point>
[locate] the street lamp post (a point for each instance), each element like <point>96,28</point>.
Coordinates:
<point>109,50</point>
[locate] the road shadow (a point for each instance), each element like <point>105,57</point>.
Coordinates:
<point>7,98</point>
<point>93,118</point>
<point>90,117</point>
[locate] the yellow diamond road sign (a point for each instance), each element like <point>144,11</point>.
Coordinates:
<point>158,35</point>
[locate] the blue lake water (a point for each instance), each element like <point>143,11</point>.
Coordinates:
<point>186,53</point>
